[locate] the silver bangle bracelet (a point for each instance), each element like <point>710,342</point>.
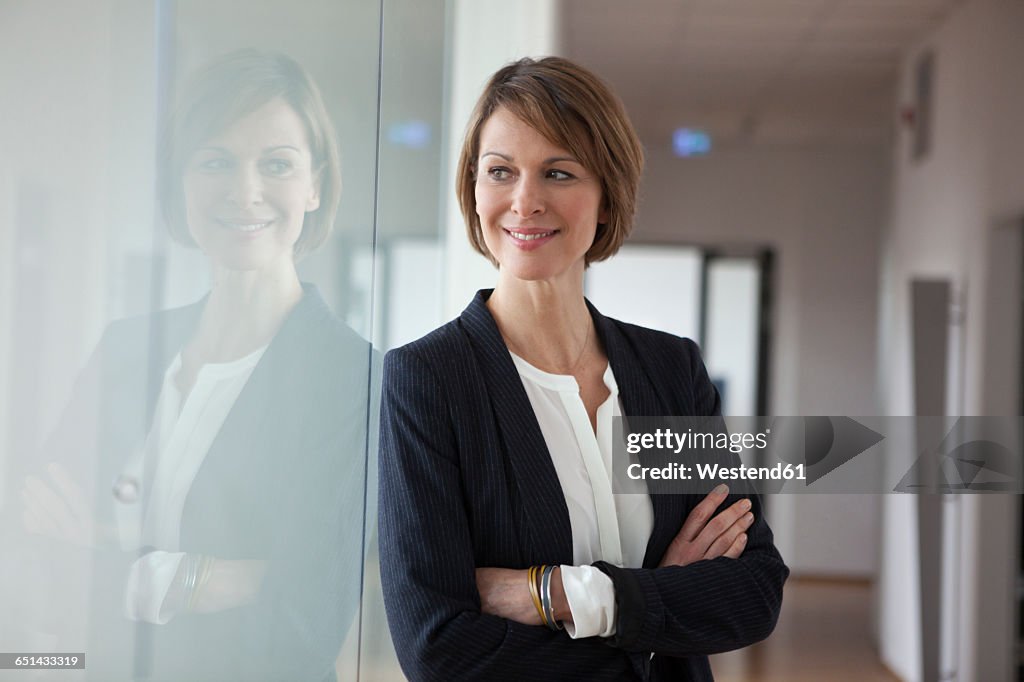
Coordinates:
<point>545,598</point>
<point>191,575</point>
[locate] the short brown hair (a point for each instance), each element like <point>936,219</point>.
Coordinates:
<point>574,109</point>
<point>224,91</point>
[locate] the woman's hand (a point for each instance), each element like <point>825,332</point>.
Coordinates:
<point>57,508</point>
<point>705,535</point>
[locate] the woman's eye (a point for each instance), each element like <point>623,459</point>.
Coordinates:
<point>555,174</point>
<point>214,165</point>
<point>278,166</point>
<point>499,173</point>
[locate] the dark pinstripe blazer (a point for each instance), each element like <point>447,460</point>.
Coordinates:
<point>466,481</point>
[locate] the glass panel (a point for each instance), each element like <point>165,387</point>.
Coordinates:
<point>197,510</point>
<point>77,251</point>
<point>410,243</point>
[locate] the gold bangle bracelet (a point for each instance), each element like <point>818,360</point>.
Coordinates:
<point>535,591</point>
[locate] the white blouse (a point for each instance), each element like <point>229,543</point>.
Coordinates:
<point>181,435</point>
<point>605,526</point>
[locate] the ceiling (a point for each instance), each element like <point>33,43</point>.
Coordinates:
<point>761,70</point>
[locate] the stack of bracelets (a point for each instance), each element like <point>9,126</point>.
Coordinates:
<point>540,590</point>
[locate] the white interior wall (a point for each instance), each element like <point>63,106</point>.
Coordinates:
<point>945,209</point>
<point>821,209</point>
<point>1005,185</point>
<point>487,34</point>
<point>7,292</point>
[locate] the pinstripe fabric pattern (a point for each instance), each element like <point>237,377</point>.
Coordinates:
<point>466,481</point>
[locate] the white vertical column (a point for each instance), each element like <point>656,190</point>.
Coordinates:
<point>7,283</point>
<point>486,34</point>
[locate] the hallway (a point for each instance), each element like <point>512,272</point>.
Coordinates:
<point>824,633</point>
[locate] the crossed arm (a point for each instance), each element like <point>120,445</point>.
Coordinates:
<point>705,535</point>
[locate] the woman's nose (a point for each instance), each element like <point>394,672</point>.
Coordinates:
<point>246,187</point>
<point>528,198</point>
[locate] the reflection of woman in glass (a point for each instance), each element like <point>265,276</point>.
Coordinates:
<point>497,515</point>
<point>238,472</point>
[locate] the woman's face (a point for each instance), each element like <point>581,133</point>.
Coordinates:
<point>248,189</point>
<point>538,206</point>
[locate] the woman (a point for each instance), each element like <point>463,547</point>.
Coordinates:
<point>229,546</point>
<point>496,511</point>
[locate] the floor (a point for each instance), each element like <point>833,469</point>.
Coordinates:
<point>824,633</point>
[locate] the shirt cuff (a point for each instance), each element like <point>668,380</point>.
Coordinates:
<point>591,597</point>
<point>149,579</point>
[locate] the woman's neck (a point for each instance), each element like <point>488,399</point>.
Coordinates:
<point>244,311</point>
<point>546,323</point>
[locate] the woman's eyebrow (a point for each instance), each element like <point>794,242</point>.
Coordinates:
<point>267,150</point>
<point>550,160</point>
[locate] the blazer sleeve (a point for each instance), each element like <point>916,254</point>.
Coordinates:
<point>708,606</point>
<point>427,561</point>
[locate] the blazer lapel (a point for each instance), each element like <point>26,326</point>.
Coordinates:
<point>166,334</point>
<point>529,460</point>
<point>640,395</point>
<point>268,415</point>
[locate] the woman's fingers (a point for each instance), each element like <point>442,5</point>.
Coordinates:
<point>724,542</point>
<point>720,524</point>
<point>34,518</point>
<point>699,516</point>
<point>737,547</point>
<point>707,535</point>
<point>50,509</point>
<point>46,504</point>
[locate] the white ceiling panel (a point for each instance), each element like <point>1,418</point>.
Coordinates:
<point>830,65</point>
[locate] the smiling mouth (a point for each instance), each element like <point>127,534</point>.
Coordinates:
<point>245,225</point>
<point>530,236</point>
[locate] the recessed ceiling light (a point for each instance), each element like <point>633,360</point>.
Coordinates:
<point>690,142</point>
